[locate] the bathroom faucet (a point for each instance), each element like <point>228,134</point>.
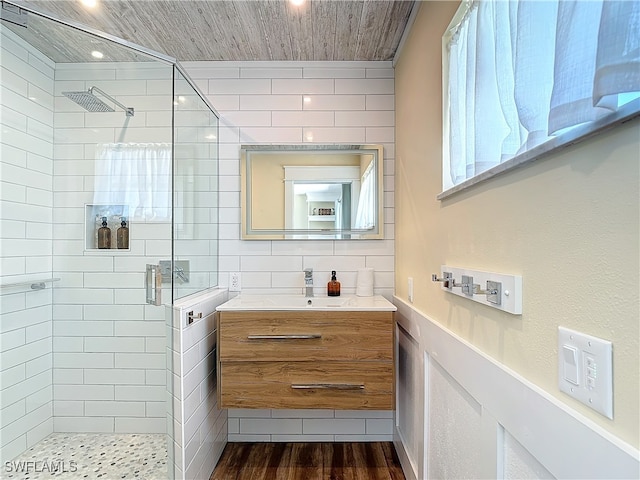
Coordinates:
<point>308,282</point>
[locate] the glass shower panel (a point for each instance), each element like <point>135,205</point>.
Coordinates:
<point>86,354</point>
<point>195,198</point>
<point>109,359</point>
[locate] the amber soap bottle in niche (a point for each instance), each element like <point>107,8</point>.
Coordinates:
<point>333,287</point>
<point>104,235</point>
<point>122,234</point>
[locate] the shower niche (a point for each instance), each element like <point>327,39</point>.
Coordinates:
<point>114,215</point>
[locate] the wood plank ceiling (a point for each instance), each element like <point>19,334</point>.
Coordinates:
<point>233,30</point>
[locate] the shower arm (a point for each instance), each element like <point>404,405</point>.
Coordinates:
<point>128,110</point>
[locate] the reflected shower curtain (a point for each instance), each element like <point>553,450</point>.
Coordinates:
<point>366,212</point>
<point>137,175</point>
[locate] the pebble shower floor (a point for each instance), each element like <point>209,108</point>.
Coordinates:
<point>71,456</point>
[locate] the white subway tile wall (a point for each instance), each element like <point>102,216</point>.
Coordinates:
<point>248,425</point>
<point>110,348</point>
<point>263,102</point>
<point>199,426</point>
<point>26,204</point>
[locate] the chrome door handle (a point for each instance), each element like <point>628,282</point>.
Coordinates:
<point>153,284</point>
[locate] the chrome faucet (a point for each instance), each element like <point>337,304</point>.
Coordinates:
<point>179,273</point>
<point>308,282</point>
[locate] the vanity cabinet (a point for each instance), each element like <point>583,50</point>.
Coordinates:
<point>340,360</point>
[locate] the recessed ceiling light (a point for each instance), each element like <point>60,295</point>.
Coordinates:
<point>97,54</point>
<point>306,99</point>
<point>89,3</point>
<point>296,3</point>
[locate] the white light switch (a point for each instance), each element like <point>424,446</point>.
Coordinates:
<point>585,369</point>
<point>570,364</point>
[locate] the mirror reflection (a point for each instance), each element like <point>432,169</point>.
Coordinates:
<point>311,191</point>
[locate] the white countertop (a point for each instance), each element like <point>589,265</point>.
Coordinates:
<point>300,302</point>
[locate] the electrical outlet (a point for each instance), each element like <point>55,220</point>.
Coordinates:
<point>234,282</point>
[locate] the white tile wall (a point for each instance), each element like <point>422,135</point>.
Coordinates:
<point>200,427</point>
<point>26,167</point>
<point>103,357</point>
<point>310,425</point>
<point>262,102</point>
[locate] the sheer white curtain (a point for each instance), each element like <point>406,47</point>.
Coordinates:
<point>575,64</point>
<point>533,67</point>
<point>520,71</point>
<point>618,57</point>
<point>366,211</point>
<point>137,175</point>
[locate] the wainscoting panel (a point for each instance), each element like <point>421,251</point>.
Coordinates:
<point>518,462</point>
<point>409,395</point>
<point>455,428</point>
<point>482,420</point>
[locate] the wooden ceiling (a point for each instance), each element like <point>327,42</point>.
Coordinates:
<point>233,30</point>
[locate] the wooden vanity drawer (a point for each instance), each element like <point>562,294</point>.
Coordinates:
<point>305,336</point>
<point>331,385</point>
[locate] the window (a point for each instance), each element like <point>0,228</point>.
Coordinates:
<point>523,77</point>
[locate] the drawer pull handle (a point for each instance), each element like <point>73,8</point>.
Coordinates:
<point>327,386</point>
<point>283,337</point>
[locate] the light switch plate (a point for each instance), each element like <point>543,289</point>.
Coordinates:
<point>590,380</point>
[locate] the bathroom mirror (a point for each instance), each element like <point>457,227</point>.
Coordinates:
<point>311,192</point>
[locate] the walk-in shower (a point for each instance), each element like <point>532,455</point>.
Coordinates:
<point>87,366</point>
<point>90,102</point>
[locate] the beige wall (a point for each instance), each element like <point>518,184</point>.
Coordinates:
<point>568,224</point>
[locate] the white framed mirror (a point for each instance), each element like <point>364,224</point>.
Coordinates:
<point>312,191</point>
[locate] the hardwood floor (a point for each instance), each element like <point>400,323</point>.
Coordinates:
<point>309,461</point>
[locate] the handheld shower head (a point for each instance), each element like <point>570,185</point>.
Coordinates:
<point>91,103</point>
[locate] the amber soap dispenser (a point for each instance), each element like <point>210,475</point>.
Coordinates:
<point>333,287</point>
<point>122,234</point>
<point>104,235</point>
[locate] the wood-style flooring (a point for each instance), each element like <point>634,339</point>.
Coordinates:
<point>309,461</point>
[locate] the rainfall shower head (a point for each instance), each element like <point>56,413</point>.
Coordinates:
<point>91,103</point>
<point>88,101</point>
